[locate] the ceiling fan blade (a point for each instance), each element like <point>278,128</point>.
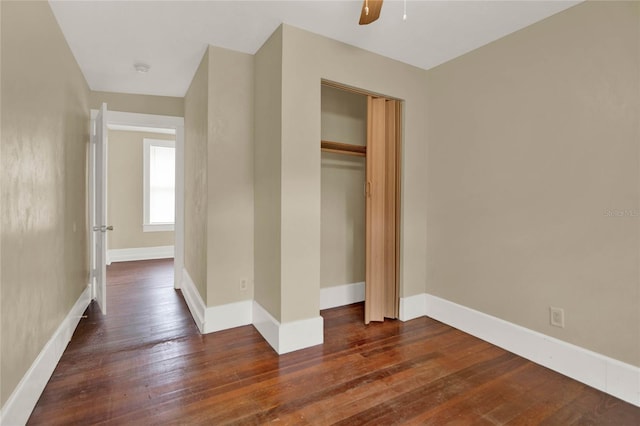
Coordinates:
<point>375,6</point>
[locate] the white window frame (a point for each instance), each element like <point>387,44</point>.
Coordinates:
<point>146,226</point>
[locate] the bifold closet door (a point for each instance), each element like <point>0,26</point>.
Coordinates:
<point>381,298</point>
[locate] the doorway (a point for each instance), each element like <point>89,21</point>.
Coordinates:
<point>360,197</point>
<point>140,194</point>
<point>104,121</point>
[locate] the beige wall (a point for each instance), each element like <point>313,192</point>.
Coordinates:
<point>307,59</point>
<point>125,202</point>
<point>219,177</point>
<point>343,118</point>
<point>532,139</point>
<point>195,177</point>
<point>45,122</point>
<point>142,104</point>
<point>230,177</point>
<point>267,177</point>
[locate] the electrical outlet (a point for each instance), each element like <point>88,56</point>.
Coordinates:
<point>556,317</point>
<point>243,284</point>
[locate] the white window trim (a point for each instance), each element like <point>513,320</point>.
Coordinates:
<point>146,226</point>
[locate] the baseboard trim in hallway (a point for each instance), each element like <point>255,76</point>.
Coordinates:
<point>214,318</point>
<point>140,253</point>
<point>18,408</point>
<point>285,337</point>
<point>194,301</point>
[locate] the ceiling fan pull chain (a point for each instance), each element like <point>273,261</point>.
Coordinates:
<point>404,16</point>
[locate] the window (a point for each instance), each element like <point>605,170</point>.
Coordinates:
<point>159,185</point>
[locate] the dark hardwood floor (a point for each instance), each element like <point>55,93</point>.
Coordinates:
<point>145,363</point>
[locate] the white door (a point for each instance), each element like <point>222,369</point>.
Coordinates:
<point>99,225</point>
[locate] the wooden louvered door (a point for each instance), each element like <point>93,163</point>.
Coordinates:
<point>382,207</point>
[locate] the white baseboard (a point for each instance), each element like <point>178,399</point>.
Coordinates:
<point>139,253</point>
<point>23,399</point>
<point>266,325</point>
<point>214,318</point>
<point>596,370</point>
<point>331,297</point>
<point>413,307</point>
<point>283,338</point>
<point>194,300</point>
<point>223,317</point>
<point>290,336</point>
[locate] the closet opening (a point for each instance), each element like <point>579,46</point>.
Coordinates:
<point>360,197</point>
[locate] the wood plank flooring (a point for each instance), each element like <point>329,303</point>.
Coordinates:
<point>146,363</point>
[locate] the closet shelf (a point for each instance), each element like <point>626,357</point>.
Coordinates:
<point>343,148</point>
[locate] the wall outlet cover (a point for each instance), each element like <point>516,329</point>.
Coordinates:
<point>556,316</point>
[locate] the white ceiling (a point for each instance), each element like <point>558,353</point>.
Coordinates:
<point>108,37</point>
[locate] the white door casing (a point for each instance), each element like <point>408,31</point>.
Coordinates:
<point>117,120</point>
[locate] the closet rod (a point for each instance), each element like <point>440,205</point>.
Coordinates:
<point>343,148</point>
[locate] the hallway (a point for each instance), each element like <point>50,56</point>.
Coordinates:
<point>113,361</point>
<point>146,363</point>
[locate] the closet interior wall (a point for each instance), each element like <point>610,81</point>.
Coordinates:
<point>342,227</point>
